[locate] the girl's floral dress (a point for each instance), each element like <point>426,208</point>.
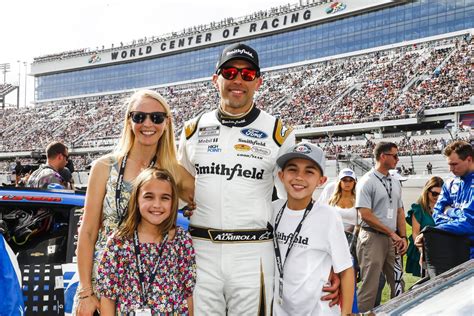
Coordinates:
<point>174,281</point>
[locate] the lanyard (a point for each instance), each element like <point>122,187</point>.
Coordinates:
<point>118,188</point>
<point>389,192</point>
<point>141,270</point>
<point>293,239</point>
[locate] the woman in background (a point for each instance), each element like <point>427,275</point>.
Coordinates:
<point>343,201</point>
<point>418,217</point>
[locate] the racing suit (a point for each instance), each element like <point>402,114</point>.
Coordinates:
<point>234,163</point>
<point>457,195</point>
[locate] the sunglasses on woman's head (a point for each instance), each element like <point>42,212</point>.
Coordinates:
<point>140,117</point>
<point>230,73</point>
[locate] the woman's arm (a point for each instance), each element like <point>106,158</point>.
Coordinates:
<point>347,289</point>
<point>88,234</point>
<point>190,305</point>
<point>185,185</point>
<point>415,227</point>
<point>107,307</point>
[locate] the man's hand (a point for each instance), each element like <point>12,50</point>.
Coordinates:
<point>403,247</point>
<point>397,241</point>
<point>333,289</point>
<point>419,240</point>
<point>189,208</point>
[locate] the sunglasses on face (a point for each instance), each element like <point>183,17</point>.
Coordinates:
<point>155,117</point>
<point>347,179</point>
<point>435,194</point>
<point>65,156</point>
<point>247,74</point>
<point>395,156</point>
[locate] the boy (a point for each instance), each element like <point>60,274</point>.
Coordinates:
<point>309,239</point>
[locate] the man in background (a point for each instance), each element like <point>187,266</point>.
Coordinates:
<point>57,156</point>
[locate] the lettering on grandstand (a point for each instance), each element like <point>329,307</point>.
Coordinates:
<point>217,33</point>
<point>229,172</point>
<point>130,53</point>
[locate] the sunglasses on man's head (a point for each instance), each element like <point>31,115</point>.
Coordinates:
<point>140,117</point>
<point>230,73</point>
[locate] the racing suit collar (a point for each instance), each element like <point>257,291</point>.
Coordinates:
<point>237,121</point>
<point>468,175</point>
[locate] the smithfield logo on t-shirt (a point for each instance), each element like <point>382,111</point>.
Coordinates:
<point>285,239</point>
<point>236,170</point>
<point>254,133</point>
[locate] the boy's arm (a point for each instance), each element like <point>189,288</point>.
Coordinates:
<point>107,307</point>
<point>347,289</point>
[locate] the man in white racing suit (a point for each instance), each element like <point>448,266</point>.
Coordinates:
<point>232,153</point>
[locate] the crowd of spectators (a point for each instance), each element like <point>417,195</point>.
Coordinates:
<point>406,146</point>
<point>382,85</point>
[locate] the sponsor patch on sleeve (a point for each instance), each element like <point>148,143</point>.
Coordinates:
<point>190,127</point>
<point>281,132</point>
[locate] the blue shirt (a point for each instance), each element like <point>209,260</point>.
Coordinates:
<point>457,194</point>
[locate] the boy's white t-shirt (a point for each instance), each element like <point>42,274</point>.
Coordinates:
<point>321,245</point>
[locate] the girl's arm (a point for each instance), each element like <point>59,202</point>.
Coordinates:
<point>107,307</point>
<point>347,289</point>
<point>190,306</point>
<point>88,233</point>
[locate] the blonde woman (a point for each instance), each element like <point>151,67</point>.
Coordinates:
<point>147,140</point>
<point>419,216</point>
<point>343,201</point>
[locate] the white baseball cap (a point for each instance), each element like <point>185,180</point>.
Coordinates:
<point>347,172</point>
<point>304,150</point>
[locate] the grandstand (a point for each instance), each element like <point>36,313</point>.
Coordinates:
<point>398,70</point>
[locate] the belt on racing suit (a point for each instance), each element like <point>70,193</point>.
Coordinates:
<point>235,235</point>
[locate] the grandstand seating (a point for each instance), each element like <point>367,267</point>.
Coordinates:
<point>383,85</point>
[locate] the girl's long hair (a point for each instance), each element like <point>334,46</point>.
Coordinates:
<point>336,196</point>
<point>424,199</point>
<point>166,150</point>
<point>134,217</point>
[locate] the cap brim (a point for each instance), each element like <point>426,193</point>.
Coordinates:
<point>250,60</point>
<point>282,160</point>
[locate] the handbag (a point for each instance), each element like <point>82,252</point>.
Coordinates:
<point>352,241</point>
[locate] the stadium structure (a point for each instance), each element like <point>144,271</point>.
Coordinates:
<point>345,74</point>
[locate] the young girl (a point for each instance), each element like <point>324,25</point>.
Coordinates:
<point>148,266</point>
